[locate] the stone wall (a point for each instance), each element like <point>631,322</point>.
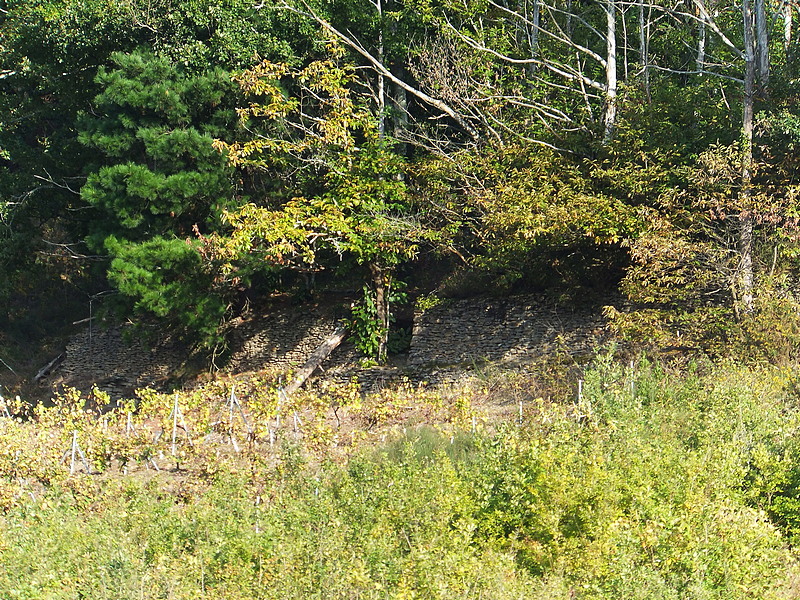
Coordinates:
<point>108,358</point>
<point>512,330</point>
<point>281,340</point>
<point>447,339</point>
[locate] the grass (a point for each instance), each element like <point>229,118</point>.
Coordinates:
<point>656,485</point>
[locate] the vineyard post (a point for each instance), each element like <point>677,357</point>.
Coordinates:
<point>174,423</point>
<point>177,414</point>
<point>74,446</point>
<point>74,450</point>
<point>231,402</point>
<point>633,381</point>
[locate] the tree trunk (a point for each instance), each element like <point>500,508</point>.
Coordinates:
<point>399,114</point>
<point>787,24</point>
<point>746,277</point>
<point>381,280</point>
<point>316,359</point>
<point>568,25</point>
<point>700,61</point>
<point>762,44</point>
<point>610,109</point>
<point>532,27</point>
<point>381,100</point>
<point>644,41</point>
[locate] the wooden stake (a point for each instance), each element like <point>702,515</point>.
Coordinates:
<point>74,446</point>
<point>73,452</point>
<point>174,423</point>
<point>233,401</point>
<point>177,414</point>
<point>6,413</point>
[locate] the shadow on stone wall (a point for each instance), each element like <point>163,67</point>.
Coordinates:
<point>448,340</point>
<point>517,329</point>
<point>117,362</point>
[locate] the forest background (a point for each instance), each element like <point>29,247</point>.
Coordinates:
<point>177,160</point>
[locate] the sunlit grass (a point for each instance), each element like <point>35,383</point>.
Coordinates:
<point>651,485</point>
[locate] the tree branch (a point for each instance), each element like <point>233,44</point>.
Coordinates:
<point>381,69</point>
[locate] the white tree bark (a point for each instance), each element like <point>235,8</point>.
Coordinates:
<point>644,47</point>
<point>786,10</point>
<point>381,94</point>
<point>761,43</point>
<point>700,61</point>
<point>746,275</point>
<point>610,109</point>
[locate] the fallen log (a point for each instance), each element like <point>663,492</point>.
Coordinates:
<point>315,360</point>
<point>49,367</point>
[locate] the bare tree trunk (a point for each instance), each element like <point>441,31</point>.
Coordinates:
<point>746,277</point>
<point>533,34</point>
<point>316,359</point>
<point>644,53</point>
<point>399,120</point>
<point>382,283</point>
<point>381,79</point>
<point>610,109</point>
<point>700,61</point>
<point>625,46</point>
<point>787,24</point>
<point>568,27</point>
<point>762,43</point>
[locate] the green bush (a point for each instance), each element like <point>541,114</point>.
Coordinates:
<point>653,485</point>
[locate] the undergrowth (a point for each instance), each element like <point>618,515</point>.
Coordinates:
<point>651,485</point>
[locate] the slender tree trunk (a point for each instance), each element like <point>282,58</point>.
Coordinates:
<point>568,25</point>
<point>378,277</point>
<point>644,40</point>
<point>762,44</point>
<point>787,24</point>
<point>399,115</point>
<point>533,34</point>
<point>381,79</point>
<point>625,47</point>
<point>700,61</point>
<point>381,280</point>
<point>746,276</point>
<point>610,109</point>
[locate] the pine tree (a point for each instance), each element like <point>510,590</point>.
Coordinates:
<point>158,181</point>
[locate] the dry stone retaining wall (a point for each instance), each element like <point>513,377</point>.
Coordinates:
<point>281,340</point>
<point>447,339</point>
<point>107,358</point>
<point>510,330</point>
